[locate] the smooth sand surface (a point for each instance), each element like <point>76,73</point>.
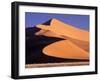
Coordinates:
<point>65,49</point>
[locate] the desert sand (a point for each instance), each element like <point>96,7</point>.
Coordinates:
<point>61,28</point>
<point>75,44</point>
<point>65,49</point>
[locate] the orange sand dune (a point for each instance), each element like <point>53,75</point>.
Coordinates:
<point>82,44</point>
<point>61,28</point>
<point>65,49</point>
<point>61,49</point>
<point>75,44</point>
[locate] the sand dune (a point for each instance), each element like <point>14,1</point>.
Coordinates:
<point>61,28</point>
<point>76,45</point>
<point>65,49</point>
<point>82,44</point>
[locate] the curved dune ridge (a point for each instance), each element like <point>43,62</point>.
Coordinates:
<point>75,44</point>
<point>61,28</point>
<point>65,49</point>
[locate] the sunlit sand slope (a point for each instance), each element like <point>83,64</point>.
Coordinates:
<point>65,49</point>
<point>61,28</point>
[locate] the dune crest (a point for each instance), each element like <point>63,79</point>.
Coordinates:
<point>67,30</point>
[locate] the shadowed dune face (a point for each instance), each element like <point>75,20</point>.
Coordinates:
<point>75,44</point>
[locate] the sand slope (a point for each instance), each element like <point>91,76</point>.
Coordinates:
<point>65,49</point>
